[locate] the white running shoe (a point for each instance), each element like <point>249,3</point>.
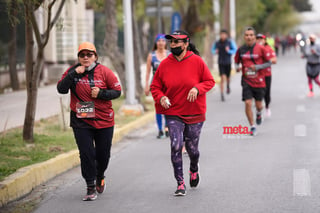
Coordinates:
<point>268,113</point>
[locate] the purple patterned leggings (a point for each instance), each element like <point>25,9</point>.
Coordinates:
<point>189,133</point>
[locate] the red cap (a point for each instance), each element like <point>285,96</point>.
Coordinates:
<point>178,34</point>
<point>261,36</point>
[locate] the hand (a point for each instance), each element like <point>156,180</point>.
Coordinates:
<point>313,51</point>
<point>253,68</point>
<point>227,49</point>
<point>80,69</point>
<point>146,90</point>
<point>165,102</point>
<point>192,95</point>
<point>94,92</point>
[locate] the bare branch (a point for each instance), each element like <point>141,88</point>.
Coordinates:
<point>55,19</point>
<point>35,28</point>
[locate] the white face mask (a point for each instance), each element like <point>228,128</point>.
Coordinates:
<point>91,66</point>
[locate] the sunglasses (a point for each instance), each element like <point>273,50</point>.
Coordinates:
<point>82,55</point>
<point>176,41</point>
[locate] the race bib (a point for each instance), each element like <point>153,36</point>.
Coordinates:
<point>85,109</point>
<point>249,73</point>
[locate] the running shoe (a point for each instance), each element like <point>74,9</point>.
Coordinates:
<point>166,132</point>
<point>228,89</point>
<point>160,134</point>
<point>222,97</point>
<point>181,189</point>
<point>194,179</point>
<point>259,118</point>
<point>91,194</point>
<point>100,185</point>
<point>310,94</point>
<point>268,112</point>
<point>253,131</point>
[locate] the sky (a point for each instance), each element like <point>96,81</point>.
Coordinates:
<point>311,19</point>
<point>316,5</point>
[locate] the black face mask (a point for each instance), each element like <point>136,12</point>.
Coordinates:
<point>176,51</point>
<point>312,42</point>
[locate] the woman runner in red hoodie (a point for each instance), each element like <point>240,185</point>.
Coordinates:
<point>179,89</point>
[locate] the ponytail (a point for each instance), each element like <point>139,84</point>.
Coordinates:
<point>193,48</point>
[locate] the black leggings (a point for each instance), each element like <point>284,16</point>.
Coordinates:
<point>94,146</point>
<point>267,97</point>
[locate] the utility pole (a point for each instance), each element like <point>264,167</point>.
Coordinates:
<point>216,12</point>
<point>131,106</point>
<point>232,19</point>
<point>159,16</point>
<point>128,46</point>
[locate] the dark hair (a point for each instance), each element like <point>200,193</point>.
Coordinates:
<point>193,48</point>
<point>250,29</point>
<point>155,47</point>
<point>224,31</point>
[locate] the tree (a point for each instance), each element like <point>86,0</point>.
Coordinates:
<point>12,45</point>
<point>110,43</point>
<point>301,5</point>
<point>34,68</point>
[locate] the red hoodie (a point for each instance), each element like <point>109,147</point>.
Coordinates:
<point>175,79</point>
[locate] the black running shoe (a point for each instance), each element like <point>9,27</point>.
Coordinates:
<point>160,134</point>
<point>228,89</point>
<point>100,185</point>
<point>194,179</point>
<point>259,119</point>
<point>253,131</point>
<point>181,190</point>
<point>91,194</point>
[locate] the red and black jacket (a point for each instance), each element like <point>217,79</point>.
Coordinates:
<point>80,87</point>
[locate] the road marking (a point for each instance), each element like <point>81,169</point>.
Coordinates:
<point>300,130</point>
<point>301,182</point>
<point>301,108</point>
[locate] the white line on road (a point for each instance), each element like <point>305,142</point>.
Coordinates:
<point>301,108</point>
<point>301,182</point>
<point>300,130</point>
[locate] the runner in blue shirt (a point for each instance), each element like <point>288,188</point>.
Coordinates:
<point>225,48</point>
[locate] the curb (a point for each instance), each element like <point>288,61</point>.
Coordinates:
<point>25,179</point>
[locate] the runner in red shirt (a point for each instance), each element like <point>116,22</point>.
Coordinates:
<point>179,89</point>
<point>92,86</point>
<point>253,58</point>
<point>261,39</point>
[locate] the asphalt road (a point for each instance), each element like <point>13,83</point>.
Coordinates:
<point>275,171</point>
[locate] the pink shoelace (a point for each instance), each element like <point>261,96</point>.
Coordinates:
<point>181,186</point>
<point>193,175</point>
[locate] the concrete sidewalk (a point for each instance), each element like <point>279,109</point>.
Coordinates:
<point>13,106</point>
<point>25,179</point>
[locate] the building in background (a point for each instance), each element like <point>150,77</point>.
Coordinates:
<point>76,25</point>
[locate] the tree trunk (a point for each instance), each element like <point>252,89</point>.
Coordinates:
<point>226,15</point>
<point>208,44</point>
<point>12,47</point>
<point>31,105</point>
<point>33,70</point>
<point>110,43</point>
<point>191,22</point>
